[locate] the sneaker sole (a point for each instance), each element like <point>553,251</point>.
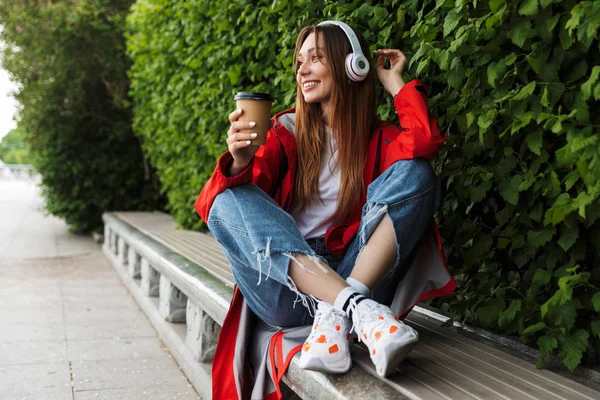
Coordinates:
<point>396,356</point>
<point>316,364</point>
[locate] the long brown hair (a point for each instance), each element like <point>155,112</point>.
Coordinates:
<point>351,116</point>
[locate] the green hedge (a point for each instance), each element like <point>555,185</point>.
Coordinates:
<point>69,58</point>
<point>514,84</point>
<point>14,148</point>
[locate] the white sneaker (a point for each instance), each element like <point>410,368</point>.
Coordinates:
<point>327,347</point>
<point>389,340</point>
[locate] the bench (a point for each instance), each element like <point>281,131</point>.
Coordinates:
<point>183,283</point>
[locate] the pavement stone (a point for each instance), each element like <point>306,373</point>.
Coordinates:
<point>109,374</point>
<point>35,379</point>
<point>177,392</point>
<point>18,352</point>
<point>69,329</point>
<point>118,348</point>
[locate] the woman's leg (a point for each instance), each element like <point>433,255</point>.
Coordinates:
<point>270,260</point>
<point>400,205</point>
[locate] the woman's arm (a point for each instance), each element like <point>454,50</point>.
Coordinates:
<point>262,170</point>
<point>419,136</point>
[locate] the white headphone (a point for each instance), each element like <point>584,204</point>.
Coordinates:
<point>357,65</point>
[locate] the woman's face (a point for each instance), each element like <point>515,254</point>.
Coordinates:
<point>314,76</point>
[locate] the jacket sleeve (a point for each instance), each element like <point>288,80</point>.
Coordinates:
<point>419,135</point>
<point>262,171</point>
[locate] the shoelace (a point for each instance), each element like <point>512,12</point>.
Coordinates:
<point>337,317</point>
<point>366,317</point>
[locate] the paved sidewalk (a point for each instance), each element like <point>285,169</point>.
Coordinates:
<point>69,330</point>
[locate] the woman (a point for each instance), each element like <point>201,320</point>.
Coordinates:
<point>335,212</point>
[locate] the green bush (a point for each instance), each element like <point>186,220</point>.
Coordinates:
<point>69,59</point>
<point>513,83</point>
<point>14,148</point>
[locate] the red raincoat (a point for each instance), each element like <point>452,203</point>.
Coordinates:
<point>273,169</point>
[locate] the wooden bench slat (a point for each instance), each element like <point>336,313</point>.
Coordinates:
<point>471,372</point>
<point>541,383</point>
<point>405,384</point>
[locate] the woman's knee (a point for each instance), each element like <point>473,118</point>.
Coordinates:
<point>226,205</point>
<point>404,180</point>
<point>417,172</point>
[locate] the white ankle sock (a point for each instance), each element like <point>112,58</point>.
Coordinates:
<point>342,301</point>
<point>359,286</point>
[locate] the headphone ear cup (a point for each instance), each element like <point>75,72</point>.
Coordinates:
<point>357,67</point>
<point>350,68</point>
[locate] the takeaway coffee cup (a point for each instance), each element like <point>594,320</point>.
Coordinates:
<point>257,108</point>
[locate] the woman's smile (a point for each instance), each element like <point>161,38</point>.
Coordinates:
<point>309,85</point>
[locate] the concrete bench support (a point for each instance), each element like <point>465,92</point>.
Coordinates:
<point>150,279</point>
<point>202,333</point>
<point>172,302</point>
<point>134,264</point>
<point>122,252</point>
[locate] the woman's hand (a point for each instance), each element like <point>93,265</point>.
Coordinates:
<point>239,143</point>
<point>391,79</point>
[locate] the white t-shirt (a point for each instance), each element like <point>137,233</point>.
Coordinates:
<point>317,217</point>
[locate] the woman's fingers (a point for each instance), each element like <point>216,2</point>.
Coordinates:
<point>239,145</point>
<point>235,115</point>
<point>237,126</point>
<point>240,137</point>
<point>394,55</point>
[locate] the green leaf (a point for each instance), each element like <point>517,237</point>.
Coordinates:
<point>488,314</point>
<point>568,237</point>
<point>528,7</point>
<point>559,298</point>
<point>510,59</point>
<point>456,73</point>
<point>451,21</point>
<point>525,92</point>
<point>559,210</point>
<point>495,71</point>
<point>509,314</point>
<point>566,39</point>
<point>534,141</point>
<point>478,192</point>
<point>521,32</point>
<point>562,316</point>
<point>509,190</point>
<point>551,22</point>
<point>573,349</point>
<point>496,4</point>
<point>571,179</point>
<point>503,216</point>
<point>586,88</point>
<point>534,328</point>
<point>546,344</point>
<point>552,93</point>
<point>540,237</point>
<point>541,277</point>
<point>596,301</point>
<point>576,72</point>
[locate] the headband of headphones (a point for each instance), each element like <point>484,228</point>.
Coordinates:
<point>357,65</point>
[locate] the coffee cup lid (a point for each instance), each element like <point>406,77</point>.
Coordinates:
<point>253,96</point>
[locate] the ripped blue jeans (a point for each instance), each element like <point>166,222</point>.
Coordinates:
<point>259,239</point>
